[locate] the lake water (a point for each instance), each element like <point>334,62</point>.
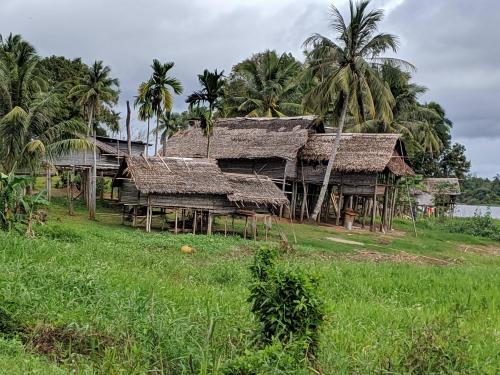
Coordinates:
<point>465,210</point>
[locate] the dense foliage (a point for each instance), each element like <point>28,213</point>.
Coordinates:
<point>478,225</point>
<point>478,190</point>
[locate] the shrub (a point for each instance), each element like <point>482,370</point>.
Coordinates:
<point>285,302</point>
<point>480,226</point>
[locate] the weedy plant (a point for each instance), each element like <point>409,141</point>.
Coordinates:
<point>290,313</point>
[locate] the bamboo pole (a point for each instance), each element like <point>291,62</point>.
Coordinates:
<point>209,223</point>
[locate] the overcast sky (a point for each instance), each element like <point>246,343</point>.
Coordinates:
<point>453,43</point>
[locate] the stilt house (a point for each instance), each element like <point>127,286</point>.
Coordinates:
<point>192,186</point>
<point>294,153</point>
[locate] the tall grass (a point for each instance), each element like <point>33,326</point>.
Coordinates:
<point>118,300</point>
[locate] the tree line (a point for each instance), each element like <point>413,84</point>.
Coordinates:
<point>50,105</point>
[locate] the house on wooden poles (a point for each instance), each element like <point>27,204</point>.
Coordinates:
<point>294,152</point>
<point>437,195</point>
<point>109,153</point>
<point>194,191</point>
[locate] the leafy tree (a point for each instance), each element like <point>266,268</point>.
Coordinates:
<point>156,91</point>
<point>29,128</point>
<point>265,85</point>
<point>453,162</point>
<point>95,91</point>
<point>347,71</point>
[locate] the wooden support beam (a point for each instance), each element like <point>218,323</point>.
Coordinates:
<point>194,222</point>
<point>210,219</point>
<point>225,226</point>
<point>246,224</point>
<point>49,184</point>
<point>175,225</point>
<point>341,196</point>
<point>383,222</point>
<point>374,209</point>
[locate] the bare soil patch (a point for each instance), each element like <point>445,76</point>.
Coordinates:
<point>400,257</point>
<point>480,250</point>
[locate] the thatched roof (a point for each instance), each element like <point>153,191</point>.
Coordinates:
<point>359,152</point>
<point>448,186</point>
<point>259,190</point>
<point>245,138</point>
<point>175,175</point>
<point>164,175</point>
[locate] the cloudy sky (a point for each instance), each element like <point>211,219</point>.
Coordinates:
<point>453,43</point>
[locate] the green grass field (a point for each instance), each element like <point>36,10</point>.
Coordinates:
<point>99,297</point>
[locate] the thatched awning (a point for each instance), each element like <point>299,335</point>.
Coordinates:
<point>175,175</point>
<point>259,190</point>
<point>358,152</point>
<point>245,138</point>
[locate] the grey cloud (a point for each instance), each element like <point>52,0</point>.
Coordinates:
<point>452,42</point>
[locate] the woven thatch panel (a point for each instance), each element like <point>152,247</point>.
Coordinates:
<point>244,138</point>
<point>357,153</point>
<point>271,167</point>
<point>175,175</point>
<point>254,189</point>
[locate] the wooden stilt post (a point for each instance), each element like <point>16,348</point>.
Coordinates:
<point>210,219</point>
<point>363,212</point>
<point>246,223</point>
<point>266,229</point>
<point>176,217</point>
<point>254,227</point>
<point>194,222</point>
<point>283,187</point>
<point>183,213</point>
<point>225,226</point>
<point>393,206</point>
<point>341,195</point>
<point>374,209</point>
<point>134,217</point>
<point>383,223</point>
<point>101,197</point>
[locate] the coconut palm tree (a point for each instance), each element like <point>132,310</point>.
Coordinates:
<point>95,91</point>
<point>171,123</point>
<point>145,112</point>
<point>27,127</point>
<point>346,68</point>
<point>212,92</point>
<point>157,91</point>
<point>266,85</point>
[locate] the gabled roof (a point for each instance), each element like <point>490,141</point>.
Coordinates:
<point>174,175</point>
<point>165,175</point>
<point>254,189</point>
<point>359,152</point>
<point>245,138</point>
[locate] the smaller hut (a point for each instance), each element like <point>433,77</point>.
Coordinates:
<point>437,195</point>
<point>194,189</point>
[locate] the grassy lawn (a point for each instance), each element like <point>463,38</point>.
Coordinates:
<point>100,297</point>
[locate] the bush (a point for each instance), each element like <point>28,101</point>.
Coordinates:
<point>285,302</point>
<point>480,226</point>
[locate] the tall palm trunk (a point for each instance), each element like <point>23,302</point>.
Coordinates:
<point>157,131</point>
<point>331,160</point>
<point>164,148</point>
<point>91,202</point>
<point>147,140</point>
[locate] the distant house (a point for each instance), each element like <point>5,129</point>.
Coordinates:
<point>437,193</point>
<point>109,153</point>
<point>195,186</point>
<point>294,152</point>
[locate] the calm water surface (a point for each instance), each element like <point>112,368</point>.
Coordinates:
<point>465,210</point>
